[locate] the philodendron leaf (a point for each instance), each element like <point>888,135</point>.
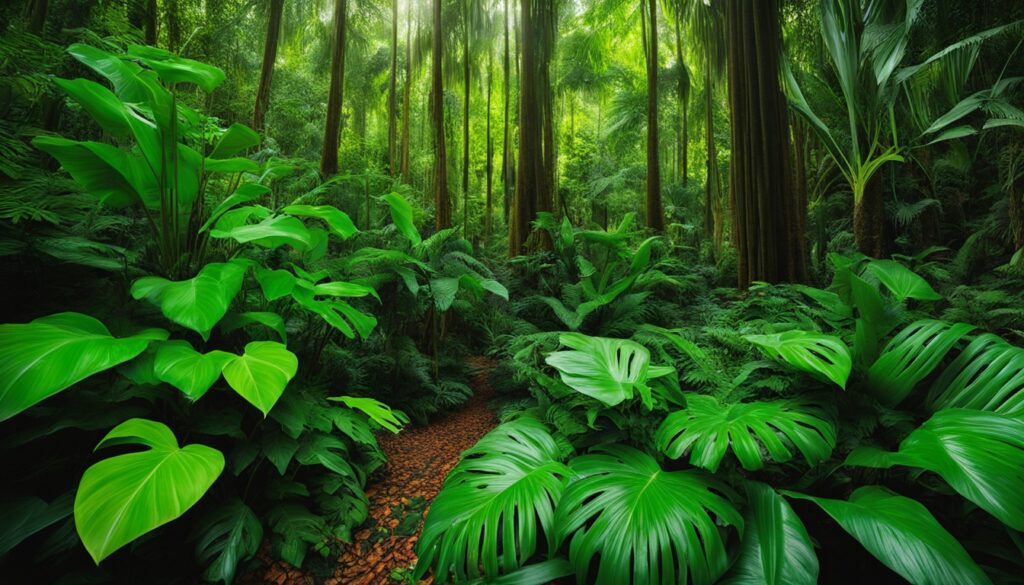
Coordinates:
<point>268,319</point>
<point>181,366</point>
<point>230,534</point>
<point>902,534</point>
<point>902,282</point>
<point>338,221</point>
<point>608,370</point>
<point>121,498</point>
<point>392,420</point>
<point>197,303</point>
<point>261,373</point>
<point>401,214</point>
<point>41,358</point>
<point>823,356</point>
<point>776,549</point>
<point>979,454</point>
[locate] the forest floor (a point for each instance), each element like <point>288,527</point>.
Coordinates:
<point>419,458</point>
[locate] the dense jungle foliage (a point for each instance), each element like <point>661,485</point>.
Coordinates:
<point>750,274</point>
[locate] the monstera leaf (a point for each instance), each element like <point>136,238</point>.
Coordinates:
<point>261,373</point>
<point>41,358</point>
<point>378,411</point>
<point>902,534</point>
<point>776,549</point>
<point>823,356</point>
<point>979,454</point>
<point>230,534</point>
<point>709,429</point>
<point>987,375</point>
<point>608,370</point>
<point>121,498</point>
<point>494,504</point>
<point>911,356</point>
<point>181,366</point>
<point>902,282</point>
<point>197,303</point>
<point>641,524</point>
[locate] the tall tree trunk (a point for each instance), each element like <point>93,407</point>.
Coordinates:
<point>655,217</point>
<point>37,16</point>
<point>173,26</point>
<point>869,218</point>
<point>766,228</point>
<point>533,193</point>
<point>442,204</point>
<point>151,30</point>
<point>684,100</point>
<point>407,98</point>
<point>393,95</point>
<point>710,193</point>
<point>267,71</point>
<point>489,208</point>
<point>336,93</point>
<point>506,154</point>
<point>465,118</point>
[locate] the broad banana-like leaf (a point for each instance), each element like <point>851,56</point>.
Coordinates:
<point>197,303</point>
<point>338,221</point>
<point>237,138</point>
<point>261,373</point>
<point>606,369</point>
<point>823,356</point>
<point>401,215</point>
<point>121,498</point>
<point>987,375</point>
<point>902,282</point>
<point>911,356</point>
<point>272,232</point>
<point>494,504</point>
<point>41,358</point>
<point>979,454</point>
<point>641,524</point>
<point>230,534</point>
<point>181,366</point>
<point>776,549</point>
<point>243,194</point>
<point>902,534</point>
<point>392,420</point>
<point>99,168</point>
<point>173,69</point>
<point>709,429</point>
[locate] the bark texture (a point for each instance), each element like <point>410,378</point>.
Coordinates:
<point>654,215</point>
<point>336,93</point>
<point>267,71</point>
<point>442,202</point>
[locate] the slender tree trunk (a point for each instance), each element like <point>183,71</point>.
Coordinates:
<point>712,162</point>
<point>173,26</point>
<point>37,16</point>
<point>407,98</point>
<point>393,163</point>
<point>655,217</point>
<point>506,154</point>
<point>150,28</point>
<point>684,99</point>
<point>869,218</point>
<point>766,228</point>
<point>465,118</point>
<point>489,209</point>
<point>442,204</point>
<point>267,71</point>
<point>336,93</point>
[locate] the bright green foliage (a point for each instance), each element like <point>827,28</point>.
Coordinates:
<point>197,303</point>
<point>902,534</point>
<point>379,412</point>
<point>910,356</point>
<point>173,69</point>
<point>228,535</point>
<point>495,504</point>
<point>41,358</point>
<point>823,356</point>
<point>980,455</point>
<point>121,498</point>
<point>261,373</point>
<point>708,430</point>
<point>181,366</point>
<point>987,375</point>
<point>776,548</point>
<point>271,232</point>
<point>608,370</point>
<point>338,221</point>
<point>268,319</point>
<point>646,525</point>
<point>401,215</point>
<point>901,281</point>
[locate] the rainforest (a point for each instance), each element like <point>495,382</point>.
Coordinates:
<point>522,292</point>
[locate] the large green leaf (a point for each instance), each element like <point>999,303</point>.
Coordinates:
<point>902,282</point>
<point>121,498</point>
<point>776,549</point>
<point>823,356</point>
<point>608,370</point>
<point>230,534</point>
<point>987,375</point>
<point>197,303</point>
<point>641,524</point>
<point>750,428</point>
<point>235,139</point>
<point>494,505</point>
<point>902,534</point>
<point>181,366</point>
<point>22,516</point>
<point>174,69</point>
<point>911,356</point>
<point>378,411</point>
<point>338,221</point>
<point>268,319</point>
<point>272,232</point>
<point>401,215</point>
<point>102,170</point>
<point>980,454</point>
<point>261,373</point>
<point>41,358</point>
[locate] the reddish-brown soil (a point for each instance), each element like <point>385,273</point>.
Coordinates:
<point>419,458</point>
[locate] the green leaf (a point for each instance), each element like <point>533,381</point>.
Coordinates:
<point>261,373</point>
<point>444,291</point>
<point>776,549</point>
<point>181,366</point>
<point>272,232</point>
<point>911,356</point>
<point>230,534</point>
<point>823,356</point>
<point>22,517</point>
<point>494,504</point>
<point>121,498</point>
<point>197,303</point>
<point>268,319</point>
<point>603,368</point>
<point>625,514</point>
<point>902,534</point>
<point>275,283</point>
<point>901,281</point>
<point>401,215</point>
<point>987,375</point>
<point>231,165</point>
<point>979,454</point>
<point>750,428</point>
<point>338,221</point>
<point>174,69</point>
<point>99,168</point>
<point>41,358</point>
<point>243,194</point>
<point>381,413</point>
<point>237,138</point>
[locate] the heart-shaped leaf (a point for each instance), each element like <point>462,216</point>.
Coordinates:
<point>197,303</point>
<point>902,282</point>
<point>261,373</point>
<point>181,366</point>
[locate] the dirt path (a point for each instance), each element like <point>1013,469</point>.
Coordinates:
<point>419,458</point>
